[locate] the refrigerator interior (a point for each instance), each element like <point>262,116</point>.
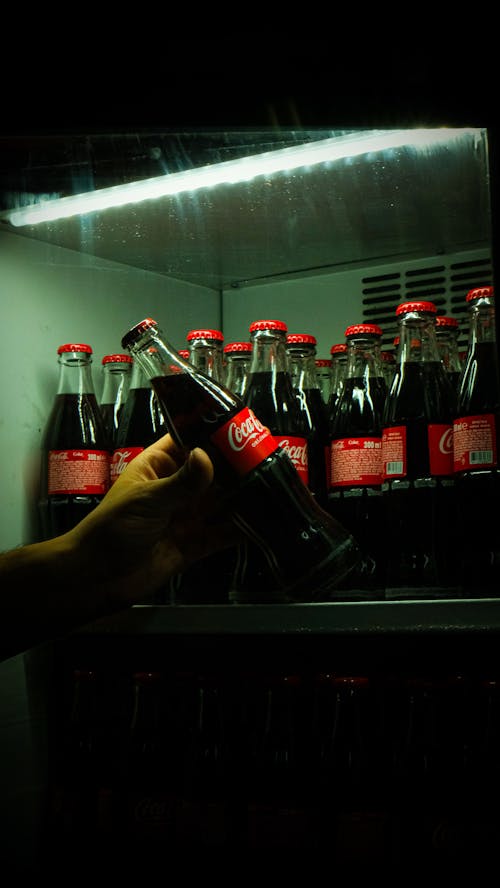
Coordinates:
<point>320,247</point>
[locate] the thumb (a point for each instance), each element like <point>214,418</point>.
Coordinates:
<point>194,477</point>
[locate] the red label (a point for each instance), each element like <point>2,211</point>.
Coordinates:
<point>80,472</point>
<point>121,459</point>
<point>356,461</point>
<point>394,452</point>
<point>296,448</point>
<point>440,440</point>
<point>244,441</point>
<point>474,442</point>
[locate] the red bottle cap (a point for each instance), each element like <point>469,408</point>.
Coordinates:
<point>268,325</point>
<point>478,292</point>
<point>416,306</point>
<point>360,329</point>
<point>445,321</point>
<point>184,353</point>
<point>234,347</point>
<point>74,347</point>
<point>117,359</point>
<point>295,338</point>
<point>388,356</point>
<point>339,348</point>
<point>137,330</point>
<point>205,334</point>
<point>323,362</point>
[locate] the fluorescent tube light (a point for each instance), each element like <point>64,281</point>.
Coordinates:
<point>232,171</point>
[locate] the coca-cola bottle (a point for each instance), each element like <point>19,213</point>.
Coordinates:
<point>324,374</point>
<point>116,374</point>
<point>475,449</point>
<point>447,330</point>
<point>388,366</point>
<point>238,360</point>
<point>75,456</point>
<point>355,495</point>
<point>205,581</point>
<point>338,352</point>
<point>270,393</point>
<point>141,422</point>
<point>417,464</point>
<point>301,350</point>
<point>305,548</point>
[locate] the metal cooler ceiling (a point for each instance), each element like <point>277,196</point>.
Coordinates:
<point>378,206</point>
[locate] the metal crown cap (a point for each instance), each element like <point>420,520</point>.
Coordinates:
<point>235,347</point>
<point>445,321</point>
<point>117,359</point>
<point>205,334</point>
<point>74,347</point>
<point>301,338</point>
<point>416,306</point>
<point>360,329</point>
<point>268,325</point>
<point>135,331</point>
<point>478,292</point>
<point>339,348</point>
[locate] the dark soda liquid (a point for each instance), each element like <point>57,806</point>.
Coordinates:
<point>314,410</point>
<point>273,400</point>
<point>420,510</point>
<point>111,419</point>
<point>305,548</point>
<point>478,490</point>
<point>360,508</point>
<point>74,422</point>
<point>142,421</point>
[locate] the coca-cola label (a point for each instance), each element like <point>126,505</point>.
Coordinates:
<point>440,441</point>
<point>121,459</point>
<point>80,472</point>
<point>244,441</point>
<point>474,442</point>
<point>440,450</point>
<point>296,448</point>
<point>394,452</point>
<point>356,461</point>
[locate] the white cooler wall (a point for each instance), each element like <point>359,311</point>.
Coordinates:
<point>51,295</point>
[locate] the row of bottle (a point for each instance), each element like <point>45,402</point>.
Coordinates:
<point>361,766</point>
<point>373,462</point>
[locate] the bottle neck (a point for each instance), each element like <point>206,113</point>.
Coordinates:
<point>207,355</point>
<point>339,367</point>
<point>116,383</point>
<point>302,367</point>
<point>139,379</point>
<point>482,322</point>
<point>447,342</point>
<point>417,338</point>
<point>363,358</point>
<point>269,352</point>
<point>75,374</point>
<point>237,372</point>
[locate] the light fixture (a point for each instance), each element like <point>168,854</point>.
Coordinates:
<point>229,172</point>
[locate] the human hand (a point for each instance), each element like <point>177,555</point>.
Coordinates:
<point>162,513</point>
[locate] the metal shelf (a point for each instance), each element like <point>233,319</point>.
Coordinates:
<point>377,618</point>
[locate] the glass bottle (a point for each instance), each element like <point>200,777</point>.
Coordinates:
<point>475,449</point>
<point>238,360</point>
<point>141,422</point>
<point>205,581</point>
<point>388,366</point>
<point>324,374</point>
<point>305,549</point>
<point>447,332</point>
<point>355,496</point>
<point>206,351</point>
<point>148,795</point>
<point>75,456</point>
<point>417,464</point>
<point>116,373</point>
<point>301,350</point>
<point>339,363</point>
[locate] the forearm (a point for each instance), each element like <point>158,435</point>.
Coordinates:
<point>46,592</point>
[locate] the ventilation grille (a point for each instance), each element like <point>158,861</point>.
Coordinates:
<point>446,284</point>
